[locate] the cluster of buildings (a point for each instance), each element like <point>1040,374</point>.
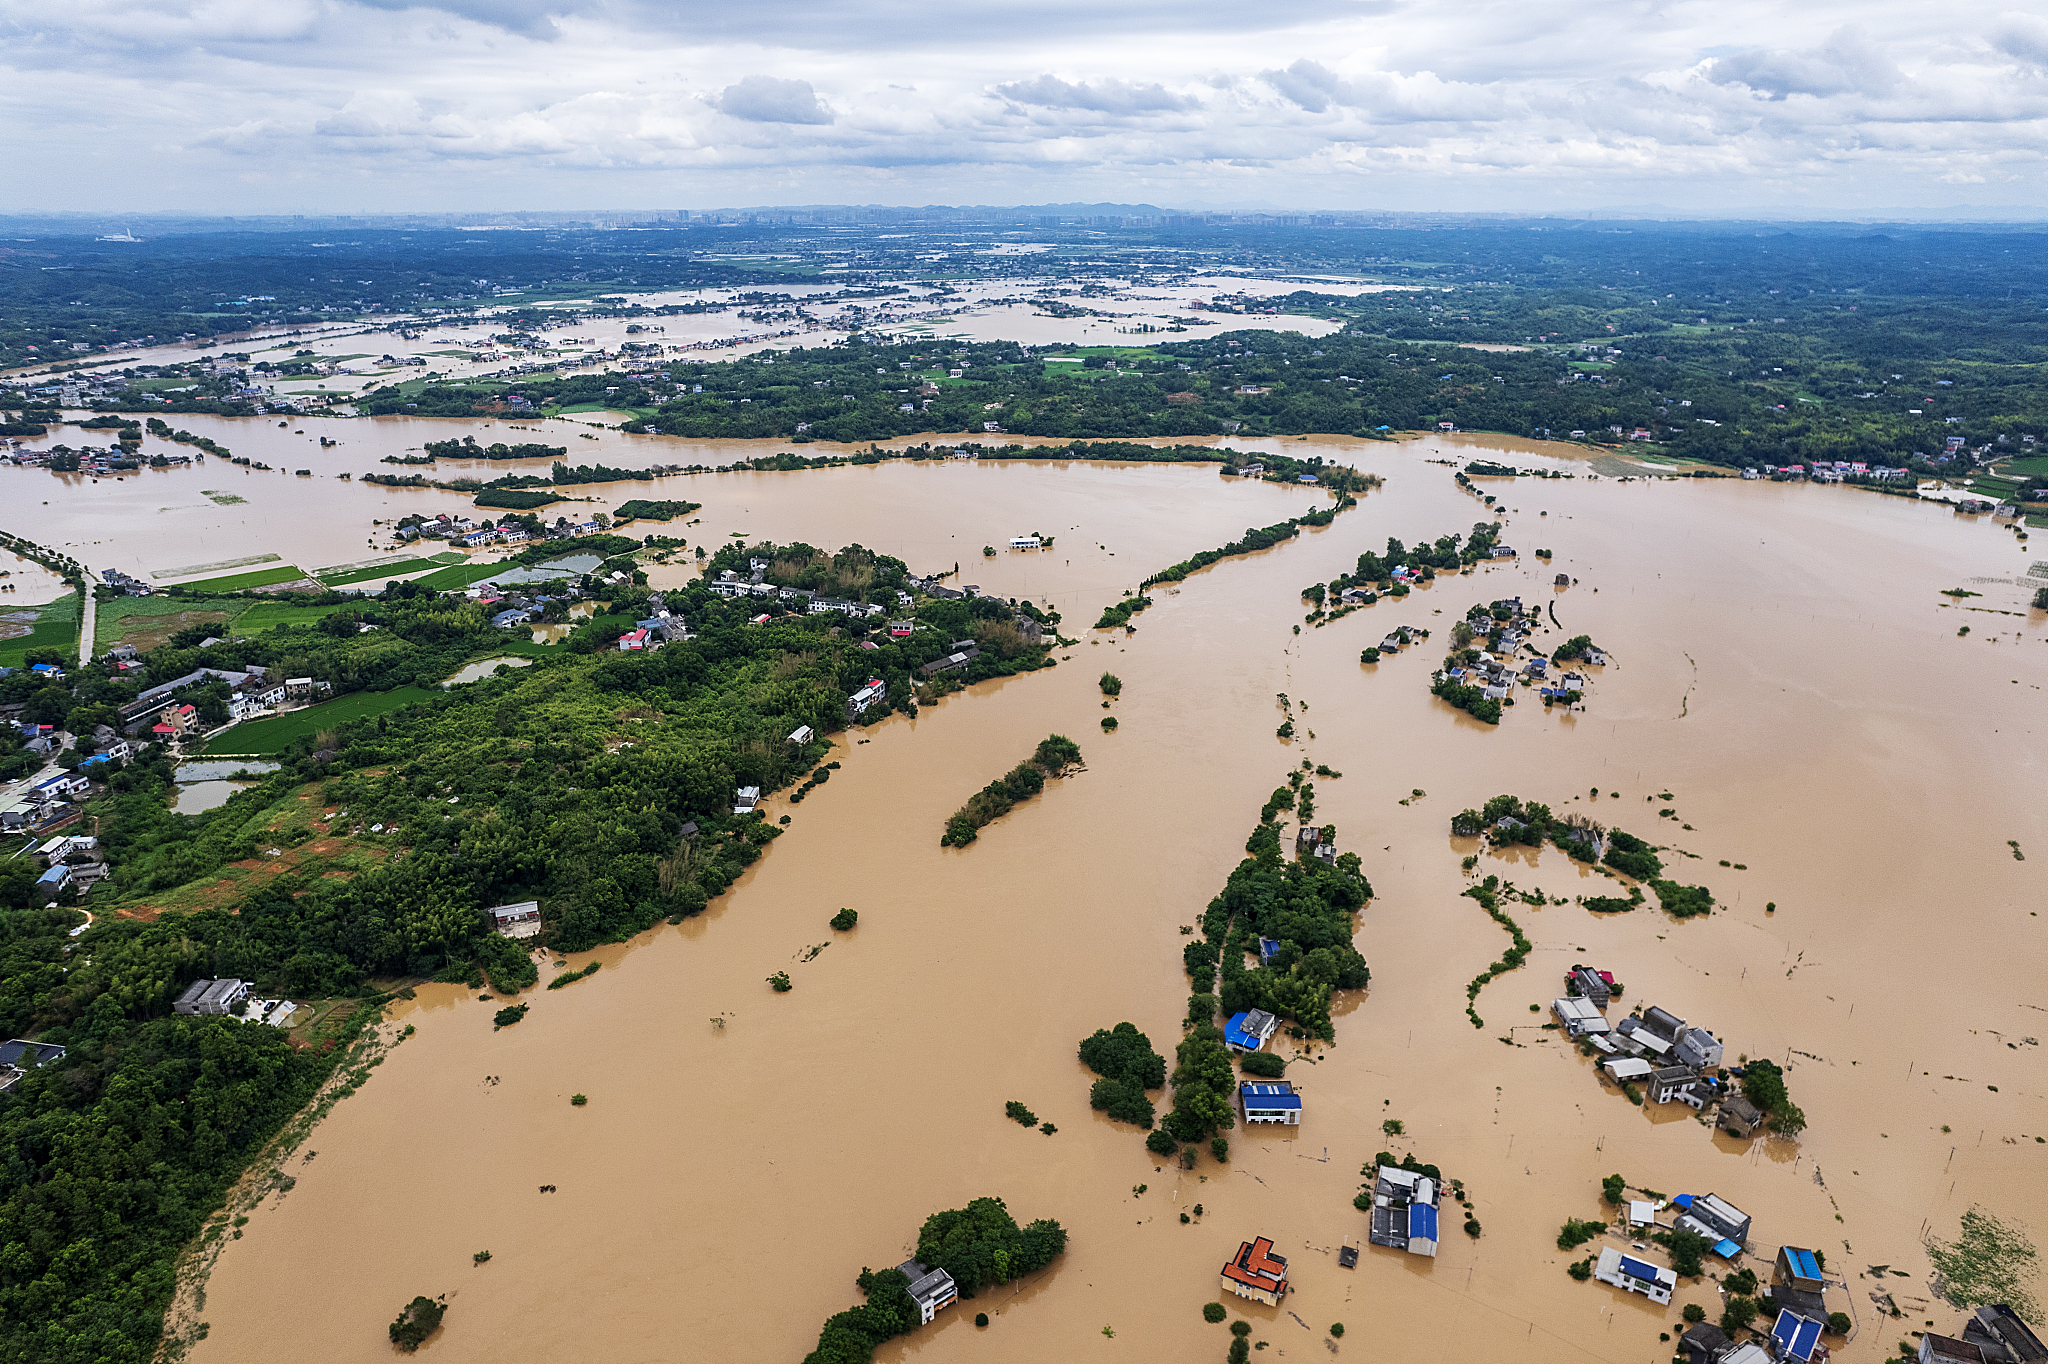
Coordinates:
<point>1831,471</point>
<point>46,806</point>
<point>1496,673</point>
<point>662,626</point>
<point>1993,1335</point>
<point>250,691</point>
<point>124,586</point>
<point>1674,1061</point>
<point>730,584</point>
<point>464,533</point>
<point>69,863</point>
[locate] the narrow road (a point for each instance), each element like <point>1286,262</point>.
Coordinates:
<point>85,621</point>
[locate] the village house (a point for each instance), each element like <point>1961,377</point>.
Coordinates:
<point>866,696</point>
<point>1636,1276</point>
<point>1627,1069</point>
<point>1738,1117</point>
<point>211,997</point>
<point>1794,1337</point>
<point>1796,1282</point>
<point>53,884</point>
<point>952,662</point>
<point>20,1052</point>
<point>802,734</point>
<point>1998,1332</point>
<point>1696,1047</point>
<point>1255,1272</point>
<point>933,1290</point>
<point>1682,1083</point>
<point>1269,1101</point>
<point>1404,1213</point>
<point>1704,1343</point>
<point>1716,1219</point>
<point>1937,1349</point>
<point>1249,1030</point>
<point>1596,987</point>
<point>1579,1017</point>
<point>745,799</point>
<point>520,920</point>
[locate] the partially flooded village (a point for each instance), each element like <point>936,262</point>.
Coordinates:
<point>1632,957</point>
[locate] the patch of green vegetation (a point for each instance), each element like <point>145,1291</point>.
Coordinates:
<point>1124,1058</point>
<point>380,573</point>
<point>277,733</point>
<point>462,575</point>
<point>1054,757</point>
<point>980,1246</point>
<point>243,582</point>
<point>250,617</point>
<point>643,508</point>
<point>56,627</point>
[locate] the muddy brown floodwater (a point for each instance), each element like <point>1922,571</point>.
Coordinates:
<point>1782,665</point>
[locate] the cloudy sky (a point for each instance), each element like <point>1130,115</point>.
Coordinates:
<point>1701,106</point>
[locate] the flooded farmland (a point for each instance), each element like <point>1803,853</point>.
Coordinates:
<point>1781,663</point>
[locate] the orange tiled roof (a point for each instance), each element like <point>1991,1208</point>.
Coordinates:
<point>1256,1265</point>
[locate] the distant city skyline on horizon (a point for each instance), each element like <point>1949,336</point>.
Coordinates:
<point>374,107</point>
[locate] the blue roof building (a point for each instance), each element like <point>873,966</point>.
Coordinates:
<point>1797,1337</point>
<point>1800,1268</point>
<point>1421,1229</point>
<point>1271,1101</point>
<point>1636,1276</point>
<point>1249,1030</point>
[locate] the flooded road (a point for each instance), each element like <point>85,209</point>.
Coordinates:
<point>1782,665</point>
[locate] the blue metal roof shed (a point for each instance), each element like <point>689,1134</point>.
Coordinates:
<point>1421,1229</point>
<point>1802,1262</point>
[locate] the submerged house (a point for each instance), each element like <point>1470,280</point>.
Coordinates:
<point>1738,1116</point>
<point>1269,1101</point>
<point>933,1290</point>
<point>1580,1017</point>
<point>1249,1030</point>
<point>1255,1272</point>
<point>1403,1210</point>
<point>1999,1333</point>
<point>1794,1337</point>
<point>1716,1219</point>
<point>1635,1276</point>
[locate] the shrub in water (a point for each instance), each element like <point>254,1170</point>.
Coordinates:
<point>420,1319</point>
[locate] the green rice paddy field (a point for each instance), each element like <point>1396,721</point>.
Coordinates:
<point>55,628</point>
